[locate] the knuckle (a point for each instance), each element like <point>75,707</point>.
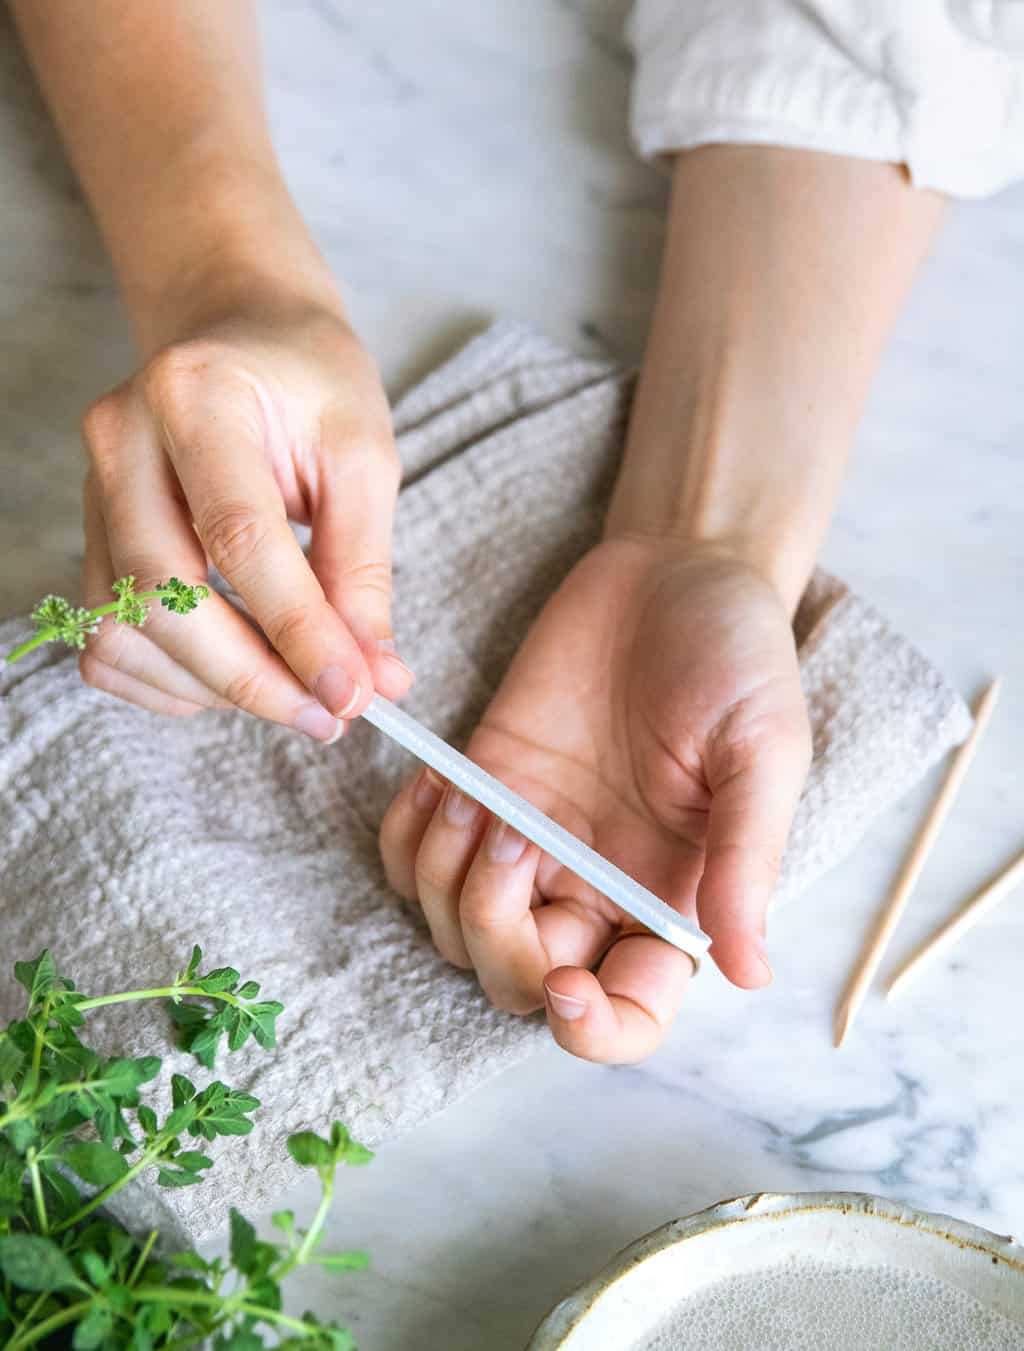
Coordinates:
<point>245,691</point>
<point>520,1003</point>
<point>103,428</point>
<point>373,576</point>
<point>94,672</point>
<point>233,534</point>
<point>106,648</point>
<point>170,378</point>
<point>433,881</point>
<point>366,452</point>
<point>288,630</point>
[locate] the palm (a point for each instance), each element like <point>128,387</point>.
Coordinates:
<point>655,711</point>
<point>639,684</point>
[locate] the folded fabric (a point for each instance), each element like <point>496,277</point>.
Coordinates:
<point>127,838</point>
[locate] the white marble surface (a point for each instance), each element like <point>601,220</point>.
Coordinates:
<point>472,160</point>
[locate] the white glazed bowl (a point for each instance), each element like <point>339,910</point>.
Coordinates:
<point>650,1282</point>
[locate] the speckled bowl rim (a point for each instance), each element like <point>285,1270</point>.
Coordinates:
<point>567,1316</point>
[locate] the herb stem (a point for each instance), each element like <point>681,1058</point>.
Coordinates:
<point>301,1254</point>
<point>37,1191</point>
<point>167,1294</point>
<point>34,1307</point>
<point>57,1320</point>
<point>18,1113</point>
<point>164,992</point>
<point>150,1157</point>
<point>28,646</point>
<point>52,636</point>
<point>147,1248</point>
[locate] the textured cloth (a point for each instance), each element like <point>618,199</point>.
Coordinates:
<point>127,838</point>
<point>937,85</point>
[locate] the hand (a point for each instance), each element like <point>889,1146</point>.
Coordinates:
<point>203,458</point>
<point>655,711</point>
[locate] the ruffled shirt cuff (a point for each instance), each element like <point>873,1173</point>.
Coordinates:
<point>936,87</point>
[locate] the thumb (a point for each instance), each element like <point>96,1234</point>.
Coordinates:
<point>352,518</point>
<point>754,791</point>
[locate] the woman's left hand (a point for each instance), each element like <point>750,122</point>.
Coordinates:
<point>655,711</point>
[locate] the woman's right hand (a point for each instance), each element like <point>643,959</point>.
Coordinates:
<point>273,414</point>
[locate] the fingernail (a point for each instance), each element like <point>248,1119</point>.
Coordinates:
<point>337,691</point>
<point>386,647</point>
<point>316,722</point>
<point>459,809</point>
<point>567,1008</point>
<point>427,793</point>
<point>504,845</point>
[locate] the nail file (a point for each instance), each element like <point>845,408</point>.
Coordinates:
<point>523,816</point>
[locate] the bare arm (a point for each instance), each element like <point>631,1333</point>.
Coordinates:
<point>161,109</point>
<point>255,402</point>
<point>783,272</point>
<point>656,703</point>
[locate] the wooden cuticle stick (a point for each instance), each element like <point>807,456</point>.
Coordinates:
<point>986,898</point>
<point>889,916</point>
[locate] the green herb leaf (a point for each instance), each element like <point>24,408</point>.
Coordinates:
<point>95,1162</point>
<point>38,977</point>
<point>176,1177</point>
<point>94,1329</point>
<point>147,1120</point>
<point>182,1090</point>
<point>242,1339</point>
<point>218,980</point>
<point>35,1263</point>
<point>309,1151</point>
<point>11,1060</point>
<point>192,1160</point>
<point>123,1077</point>
<point>244,1242</point>
<point>347,1150</point>
<point>65,1192</point>
<point>95,1268</point>
<point>179,597</point>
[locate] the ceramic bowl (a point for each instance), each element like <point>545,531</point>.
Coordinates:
<point>802,1259</point>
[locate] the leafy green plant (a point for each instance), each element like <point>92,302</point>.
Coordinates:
<point>58,621</point>
<point>74,1130</point>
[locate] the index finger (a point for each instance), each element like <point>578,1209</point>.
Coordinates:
<point>240,517</point>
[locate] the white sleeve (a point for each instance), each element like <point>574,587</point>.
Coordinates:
<point>937,85</point>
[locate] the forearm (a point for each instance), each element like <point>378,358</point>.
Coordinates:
<point>161,109</point>
<point>783,272</point>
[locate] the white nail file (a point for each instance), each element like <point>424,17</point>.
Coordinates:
<point>523,816</point>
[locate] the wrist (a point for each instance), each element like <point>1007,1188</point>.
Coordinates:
<point>715,469</point>
<point>225,239</point>
<point>784,569</point>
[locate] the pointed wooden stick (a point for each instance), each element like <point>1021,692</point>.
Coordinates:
<point>984,900</point>
<point>871,954</point>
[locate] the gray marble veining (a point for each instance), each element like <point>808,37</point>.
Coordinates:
<point>468,160</point>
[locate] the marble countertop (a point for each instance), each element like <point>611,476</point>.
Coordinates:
<point>475,162</point>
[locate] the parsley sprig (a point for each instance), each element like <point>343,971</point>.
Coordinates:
<point>74,1130</point>
<point>56,620</point>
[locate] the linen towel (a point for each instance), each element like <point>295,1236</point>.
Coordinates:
<point>127,838</point>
